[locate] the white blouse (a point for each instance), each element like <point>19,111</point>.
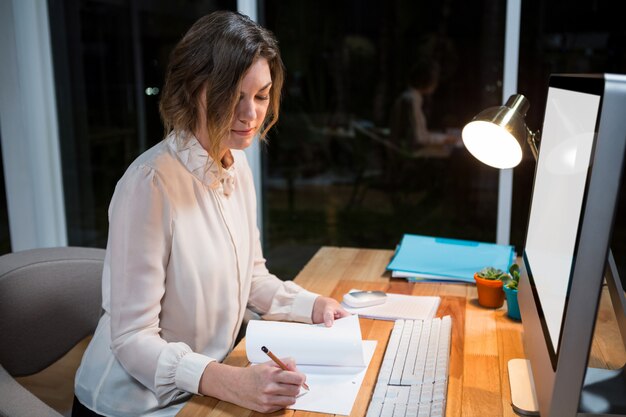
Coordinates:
<point>418,122</point>
<point>183,262</point>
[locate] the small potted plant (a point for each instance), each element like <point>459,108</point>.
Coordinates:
<point>489,282</point>
<point>510,290</point>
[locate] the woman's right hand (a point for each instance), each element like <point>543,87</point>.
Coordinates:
<point>265,388</point>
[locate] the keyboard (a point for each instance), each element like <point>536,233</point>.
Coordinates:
<point>413,377</point>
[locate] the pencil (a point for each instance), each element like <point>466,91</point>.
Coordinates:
<point>280,363</point>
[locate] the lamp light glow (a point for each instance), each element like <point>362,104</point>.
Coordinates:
<point>492,144</point>
<point>496,135</point>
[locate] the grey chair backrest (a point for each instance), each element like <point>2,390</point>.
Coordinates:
<point>50,299</point>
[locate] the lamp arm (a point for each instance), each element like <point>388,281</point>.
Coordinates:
<point>533,138</point>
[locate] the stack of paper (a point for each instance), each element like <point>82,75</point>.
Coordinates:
<point>428,258</point>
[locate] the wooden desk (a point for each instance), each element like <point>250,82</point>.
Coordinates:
<point>483,340</point>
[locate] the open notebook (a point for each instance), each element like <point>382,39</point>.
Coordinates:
<point>334,359</point>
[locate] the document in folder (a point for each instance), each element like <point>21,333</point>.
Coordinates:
<point>334,359</point>
<point>448,259</point>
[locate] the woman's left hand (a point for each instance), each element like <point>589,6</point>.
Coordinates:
<point>326,310</point>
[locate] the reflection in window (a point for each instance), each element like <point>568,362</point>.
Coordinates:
<point>335,172</point>
<point>563,37</point>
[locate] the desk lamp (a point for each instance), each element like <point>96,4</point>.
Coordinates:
<point>496,135</point>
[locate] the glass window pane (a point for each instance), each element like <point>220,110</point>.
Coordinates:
<point>109,62</point>
<point>353,160</point>
<point>564,37</point>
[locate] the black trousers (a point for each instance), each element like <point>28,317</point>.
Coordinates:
<point>79,410</point>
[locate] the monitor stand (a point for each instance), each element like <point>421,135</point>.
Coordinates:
<point>523,397</point>
<point>604,390</point>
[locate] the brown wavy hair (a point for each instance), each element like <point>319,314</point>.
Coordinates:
<point>214,56</point>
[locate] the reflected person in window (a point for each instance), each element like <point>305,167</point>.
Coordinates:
<point>183,258</point>
<point>409,127</point>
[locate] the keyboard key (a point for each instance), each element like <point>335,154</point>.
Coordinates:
<point>380,391</point>
<point>437,409</point>
<point>374,408</point>
<point>423,410</point>
<point>427,394</point>
<point>411,410</point>
<point>399,410</point>
<point>439,391</point>
<point>403,395</point>
<point>414,394</point>
<point>392,392</point>
<point>387,410</point>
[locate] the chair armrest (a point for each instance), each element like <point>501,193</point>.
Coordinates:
<point>17,401</point>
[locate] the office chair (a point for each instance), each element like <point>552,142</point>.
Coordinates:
<point>50,299</point>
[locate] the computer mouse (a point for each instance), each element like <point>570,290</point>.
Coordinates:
<point>357,299</point>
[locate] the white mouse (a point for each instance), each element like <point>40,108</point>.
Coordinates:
<point>357,299</point>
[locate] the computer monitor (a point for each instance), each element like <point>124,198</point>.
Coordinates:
<point>566,253</point>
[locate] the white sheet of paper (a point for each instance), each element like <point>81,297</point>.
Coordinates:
<point>333,389</point>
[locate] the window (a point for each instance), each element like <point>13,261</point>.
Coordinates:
<point>109,60</point>
<point>338,167</point>
<point>564,37</point>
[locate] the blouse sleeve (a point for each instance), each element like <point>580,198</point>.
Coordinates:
<point>140,234</point>
<point>274,299</point>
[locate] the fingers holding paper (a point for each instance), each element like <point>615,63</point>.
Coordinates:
<point>326,310</point>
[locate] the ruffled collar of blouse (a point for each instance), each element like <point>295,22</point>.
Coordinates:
<point>201,165</point>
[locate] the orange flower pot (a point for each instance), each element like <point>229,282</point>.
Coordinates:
<point>490,292</point>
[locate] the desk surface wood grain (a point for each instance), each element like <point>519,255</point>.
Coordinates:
<point>483,340</point>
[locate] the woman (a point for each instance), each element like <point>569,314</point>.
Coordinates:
<point>409,127</point>
<point>183,256</point>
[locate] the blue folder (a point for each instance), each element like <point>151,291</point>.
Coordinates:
<point>448,259</point>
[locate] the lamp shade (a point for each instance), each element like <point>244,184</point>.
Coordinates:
<point>495,136</point>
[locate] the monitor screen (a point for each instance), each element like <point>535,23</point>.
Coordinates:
<point>560,182</point>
